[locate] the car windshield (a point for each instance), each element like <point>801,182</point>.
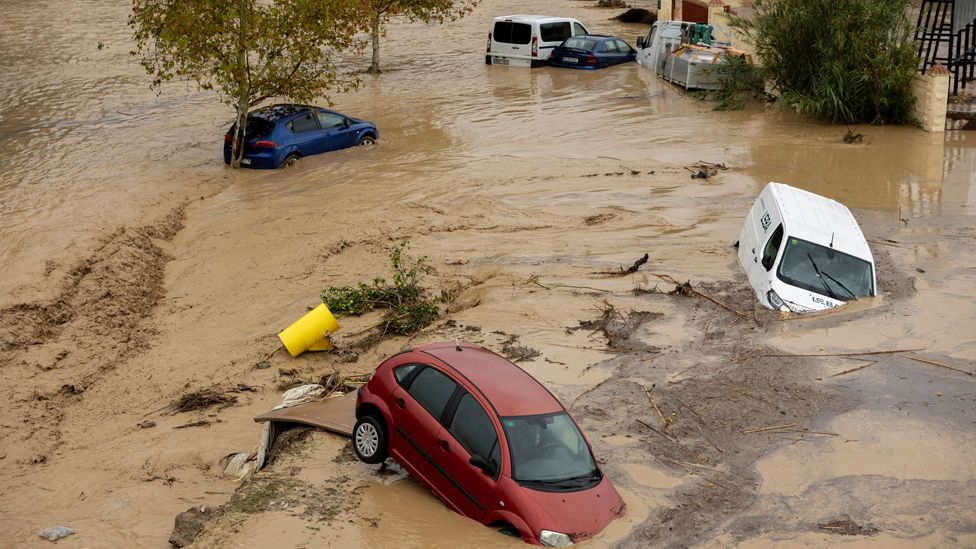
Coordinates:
<point>825,271</point>
<point>549,449</point>
<point>580,44</point>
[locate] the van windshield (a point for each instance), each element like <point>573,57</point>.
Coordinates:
<point>548,452</point>
<point>825,271</point>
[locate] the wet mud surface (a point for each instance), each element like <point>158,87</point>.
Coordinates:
<point>152,272</point>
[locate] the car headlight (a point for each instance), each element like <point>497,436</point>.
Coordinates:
<point>776,301</point>
<point>554,539</point>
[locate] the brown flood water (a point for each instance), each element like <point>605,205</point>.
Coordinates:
<point>502,167</point>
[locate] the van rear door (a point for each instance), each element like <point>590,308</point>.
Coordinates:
<point>511,39</point>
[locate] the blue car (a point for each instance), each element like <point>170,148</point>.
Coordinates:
<point>279,135</point>
<point>591,51</point>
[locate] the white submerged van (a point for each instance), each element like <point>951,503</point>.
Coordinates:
<point>804,252</point>
<point>527,40</point>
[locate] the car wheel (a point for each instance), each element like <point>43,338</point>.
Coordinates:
<point>290,161</point>
<point>510,531</point>
<point>369,439</point>
<point>366,141</point>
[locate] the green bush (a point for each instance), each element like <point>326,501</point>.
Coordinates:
<point>409,307</point>
<point>850,61</point>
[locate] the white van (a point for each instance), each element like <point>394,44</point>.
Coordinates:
<point>663,38</point>
<point>803,252</point>
<point>527,40</point>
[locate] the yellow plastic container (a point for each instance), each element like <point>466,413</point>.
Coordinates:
<point>311,332</point>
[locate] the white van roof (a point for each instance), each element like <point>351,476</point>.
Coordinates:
<point>818,219</point>
<point>524,18</point>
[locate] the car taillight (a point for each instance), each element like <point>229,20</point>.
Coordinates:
<point>489,43</point>
<point>229,137</point>
<point>535,46</point>
<point>265,144</point>
<point>590,59</point>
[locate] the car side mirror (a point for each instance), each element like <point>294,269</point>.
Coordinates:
<point>640,42</point>
<point>345,122</point>
<point>488,467</point>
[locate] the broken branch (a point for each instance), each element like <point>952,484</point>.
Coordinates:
<point>855,369</point>
<point>772,428</point>
<point>665,435</point>
<point>933,363</point>
<point>647,393</point>
<point>867,353</point>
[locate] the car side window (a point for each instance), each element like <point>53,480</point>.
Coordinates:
<point>331,120</point>
<point>432,390</point>
<point>772,248</point>
<point>304,123</point>
<point>472,428</point>
<point>610,46</point>
<point>555,32</point>
<point>624,47</point>
<point>579,29</point>
<point>401,373</point>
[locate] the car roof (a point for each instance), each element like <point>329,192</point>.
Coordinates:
<point>819,219</point>
<point>273,113</point>
<point>526,18</point>
<point>510,390</point>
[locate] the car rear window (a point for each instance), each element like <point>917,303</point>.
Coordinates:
<point>257,127</point>
<point>555,32</point>
<point>580,44</point>
<point>507,32</point>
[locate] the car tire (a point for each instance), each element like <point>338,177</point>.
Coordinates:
<point>290,160</point>
<point>369,439</point>
<point>366,141</point>
<point>509,531</point>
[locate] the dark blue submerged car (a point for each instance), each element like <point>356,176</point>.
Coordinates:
<point>279,135</point>
<point>591,51</point>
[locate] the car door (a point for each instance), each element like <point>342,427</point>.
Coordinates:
<point>304,129</point>
<point>417,406</point>
<point>625,51</point>
<point>469,432</point>
<point>336,132</point>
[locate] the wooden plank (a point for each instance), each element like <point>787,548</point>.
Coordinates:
<point>337,415</point>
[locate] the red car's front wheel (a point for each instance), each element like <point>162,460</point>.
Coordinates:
<point>369,439</point>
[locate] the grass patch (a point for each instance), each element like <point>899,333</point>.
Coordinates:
<point>259,494</point>
<point>410,309</point>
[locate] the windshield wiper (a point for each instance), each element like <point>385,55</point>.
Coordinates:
<point>585,478</point>
<point>819,276</point>
<point>839,283</point>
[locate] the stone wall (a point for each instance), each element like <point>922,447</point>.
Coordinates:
<point>931,97</point>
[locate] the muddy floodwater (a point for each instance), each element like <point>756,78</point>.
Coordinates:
<point>137,268</point>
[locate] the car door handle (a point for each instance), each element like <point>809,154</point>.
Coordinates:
<point>444,445</point>
<point>401,403</point>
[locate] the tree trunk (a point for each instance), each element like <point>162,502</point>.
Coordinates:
<point>375,34</point>
<point>237,146</point>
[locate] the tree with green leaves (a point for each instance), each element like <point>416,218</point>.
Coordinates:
<point>850,61</point>
<point>376,13</point>
<point>248,51</point>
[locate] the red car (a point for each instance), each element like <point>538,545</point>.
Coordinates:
<point>487,439</point>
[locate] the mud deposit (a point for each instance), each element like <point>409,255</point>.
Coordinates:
<point>142,273</point>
